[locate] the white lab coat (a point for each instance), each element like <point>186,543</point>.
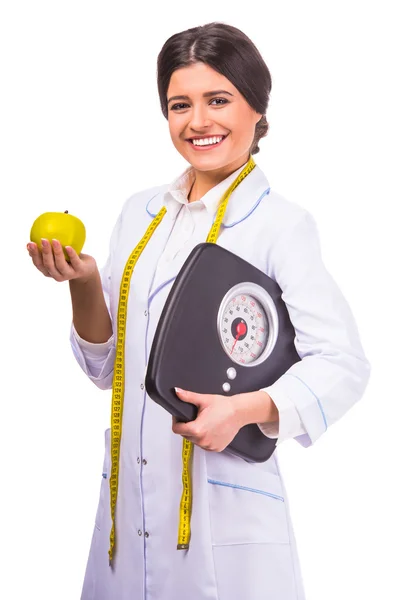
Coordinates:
<point>242,544</point>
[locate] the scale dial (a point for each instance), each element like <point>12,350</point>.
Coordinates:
<point>247,324</point>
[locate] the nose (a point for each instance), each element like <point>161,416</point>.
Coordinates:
<point>200,118</point>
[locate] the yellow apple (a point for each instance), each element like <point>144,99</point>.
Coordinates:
<point>67,229</point>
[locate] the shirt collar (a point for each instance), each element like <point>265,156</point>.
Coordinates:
<point>245,199</point>
<point>177,192</point>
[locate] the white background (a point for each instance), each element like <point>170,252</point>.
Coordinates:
<point>81,130</point>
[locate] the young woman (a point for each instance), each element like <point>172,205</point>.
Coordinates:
<point>214,89</point>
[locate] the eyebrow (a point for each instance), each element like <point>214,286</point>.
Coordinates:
<point>205,95</point>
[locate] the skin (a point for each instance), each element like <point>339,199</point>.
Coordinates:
<point>51,262</point>
<point>219,417</point>
<point>221,114</point>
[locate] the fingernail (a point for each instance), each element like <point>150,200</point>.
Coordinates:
<point>179,390</point>
<point>55,243</point>
<point>44,242</point>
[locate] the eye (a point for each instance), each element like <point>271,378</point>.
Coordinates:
<point>223,100</point>
<point>177,106</point>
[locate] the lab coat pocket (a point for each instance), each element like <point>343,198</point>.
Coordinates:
<point>104,486</point>
<point>247,503</point>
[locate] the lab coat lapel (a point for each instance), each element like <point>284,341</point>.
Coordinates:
<point>145,267</point>
<point>152,253</point>
<point>245,198</point>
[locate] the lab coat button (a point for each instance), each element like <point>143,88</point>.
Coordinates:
<point>146,533</point>
<point>145,313</point>
<point>138,460</point>
<point>142,386</point>
<point>144,461</point>
<point>139,532</point>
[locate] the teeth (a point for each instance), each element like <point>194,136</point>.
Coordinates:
<point>207,141</point>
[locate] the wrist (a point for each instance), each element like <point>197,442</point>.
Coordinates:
<point>92,277</point>
<point>255,407</point>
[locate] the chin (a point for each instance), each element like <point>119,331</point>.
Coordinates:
<point>209,161</point>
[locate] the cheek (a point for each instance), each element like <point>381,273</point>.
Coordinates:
<point>239,122</point>
<point>245,132</point>
<point>175,131</point>
<point>171,128</point>
<point>172,125</point>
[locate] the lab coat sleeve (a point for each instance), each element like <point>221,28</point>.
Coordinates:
<point>95,354</point>
<point>333,371</point>
<point>97,360</point>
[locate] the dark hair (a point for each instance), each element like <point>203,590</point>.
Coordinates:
<point>230,52</point>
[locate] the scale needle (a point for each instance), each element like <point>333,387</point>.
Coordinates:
<point>240,330</point>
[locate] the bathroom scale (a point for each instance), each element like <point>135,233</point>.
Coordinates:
<point>224,329</point>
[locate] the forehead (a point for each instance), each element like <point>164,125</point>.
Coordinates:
<point>196,79</point>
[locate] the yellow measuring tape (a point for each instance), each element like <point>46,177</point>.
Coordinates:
<point>119,375</point>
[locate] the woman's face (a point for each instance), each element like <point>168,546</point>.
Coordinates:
<point>208,106</point>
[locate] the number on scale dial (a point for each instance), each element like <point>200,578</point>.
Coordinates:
<point>244,328</point>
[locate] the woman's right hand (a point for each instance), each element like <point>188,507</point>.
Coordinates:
<point>52,263</point>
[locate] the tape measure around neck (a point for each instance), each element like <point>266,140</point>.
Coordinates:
<point>118,387</point>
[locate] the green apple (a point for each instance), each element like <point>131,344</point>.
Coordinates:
<point>67,229</point>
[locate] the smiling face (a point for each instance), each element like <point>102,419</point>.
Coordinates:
<point>202,103</point>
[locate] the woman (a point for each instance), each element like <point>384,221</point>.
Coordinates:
<point>214,90</point>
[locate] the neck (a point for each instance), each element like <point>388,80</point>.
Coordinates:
<point>206,180</point>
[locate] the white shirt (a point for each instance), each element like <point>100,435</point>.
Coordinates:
<point>188,223</point>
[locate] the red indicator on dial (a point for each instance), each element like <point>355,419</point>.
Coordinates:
<point>241,330</point>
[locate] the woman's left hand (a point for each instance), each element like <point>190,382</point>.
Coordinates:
<point>219,418</point>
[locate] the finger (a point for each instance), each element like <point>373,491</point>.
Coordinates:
<point>59,258</point>
<point>37,258</point>
<point>181,431</point>
<point>191,431</point>
<point>48,260</point>
<point>191,397</point>
<point>181,428</point>
<point>74,259</point>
